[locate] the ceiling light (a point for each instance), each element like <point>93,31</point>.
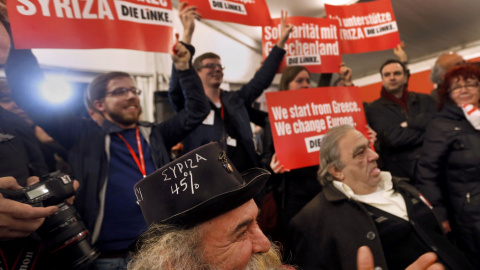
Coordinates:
<point>56,91</point>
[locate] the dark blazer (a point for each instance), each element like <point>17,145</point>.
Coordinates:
<point>400,147</point>
<point>328,231</point>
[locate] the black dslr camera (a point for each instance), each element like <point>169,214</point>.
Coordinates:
<point>63,233</point>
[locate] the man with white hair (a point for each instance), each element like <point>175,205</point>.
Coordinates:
<point>363,206</point>
<point>201,214</point>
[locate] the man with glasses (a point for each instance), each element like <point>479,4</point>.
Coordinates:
<point>399,117</point>
<point>108,159</point>
<point>228,122</point>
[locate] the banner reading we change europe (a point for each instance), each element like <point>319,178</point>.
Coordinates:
<point>248,12</point>
<point>300,118</point>
<point>313,43</point>
<point>365,27</point>
<point>86,24</point>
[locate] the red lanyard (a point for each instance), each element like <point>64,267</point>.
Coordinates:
<point>222,112</point>
<point>141,162</point>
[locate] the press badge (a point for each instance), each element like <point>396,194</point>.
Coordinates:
<point>231,141</point>
<point>210,118</point>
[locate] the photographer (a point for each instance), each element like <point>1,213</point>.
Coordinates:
<point>20,159</point>
<point>21,165</point>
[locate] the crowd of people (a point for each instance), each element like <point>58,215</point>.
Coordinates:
<point>409,192</point>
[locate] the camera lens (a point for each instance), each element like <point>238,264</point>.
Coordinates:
<point>66,238</point>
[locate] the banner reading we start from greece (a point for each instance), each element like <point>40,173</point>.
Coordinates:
<point>300,118</point>
<point>86,24</point>
<point>313,43</point>
<point>366,27</point>
<point>248,12</point>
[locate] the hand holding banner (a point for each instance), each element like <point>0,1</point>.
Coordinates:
<point>300,118</point>
<point>89,24</point>
<point>365,27</point>
<point>248,12</point>
<point>313,43</point>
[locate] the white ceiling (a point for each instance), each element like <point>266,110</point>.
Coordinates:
<point>428,28</point>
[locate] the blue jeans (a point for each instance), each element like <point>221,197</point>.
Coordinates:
<point>111,263</point>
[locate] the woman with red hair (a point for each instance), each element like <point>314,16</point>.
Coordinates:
<point>448,172</point>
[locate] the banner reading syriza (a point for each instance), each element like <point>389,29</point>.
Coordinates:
<point>365,27</point>
<point>248,12</point>
<point>300,118</point>
<point>313,43</point>
<point>87,24</point>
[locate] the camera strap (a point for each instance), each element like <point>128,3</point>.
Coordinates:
<point>25,259</point>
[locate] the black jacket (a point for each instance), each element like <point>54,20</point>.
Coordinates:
<point>400,147</point>
<point>236,104</point>
<point>328,231</point>
<point>87,143</point>
<point>448,175</point>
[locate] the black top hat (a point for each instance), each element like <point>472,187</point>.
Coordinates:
<point>196,187</point>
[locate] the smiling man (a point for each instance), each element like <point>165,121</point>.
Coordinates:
<point>108,158</point>
<point>361,205</point>
<point>207,220</point>
<point>400,118</point>
<point>229,120</point>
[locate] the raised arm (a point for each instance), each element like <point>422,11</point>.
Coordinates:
<point>285,29</point>
<point>196,106</point>
<point>400,53</point>
<point>264,76</point>
<point>187,15</point>
<point>25,77</point>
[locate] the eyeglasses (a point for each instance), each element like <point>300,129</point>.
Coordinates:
<point>468,86</point>
<point>122,91</point>
<point>212,66</point>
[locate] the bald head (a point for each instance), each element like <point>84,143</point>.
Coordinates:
<point>449,60</point>
<point>445,62</point>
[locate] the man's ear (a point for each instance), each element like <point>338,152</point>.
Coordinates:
<point>336,172</point>
<point>99,105</point>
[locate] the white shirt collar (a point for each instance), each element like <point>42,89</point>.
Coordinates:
<point>384,185</point>
<point>384,198</point>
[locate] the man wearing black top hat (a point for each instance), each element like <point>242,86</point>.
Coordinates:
<point>201,213</point>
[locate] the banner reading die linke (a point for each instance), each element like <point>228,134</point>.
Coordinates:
<point>87,24</point>
<point>300,118</point>
<point>248,12</point>
<point>313,43</point>
<point>365,27</point>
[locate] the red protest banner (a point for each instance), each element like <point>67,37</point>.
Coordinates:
<point>366,27</point>
<point>88,24</point>
<point>300,118</point>
<point>248,12</point>
<point>313,43</point>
